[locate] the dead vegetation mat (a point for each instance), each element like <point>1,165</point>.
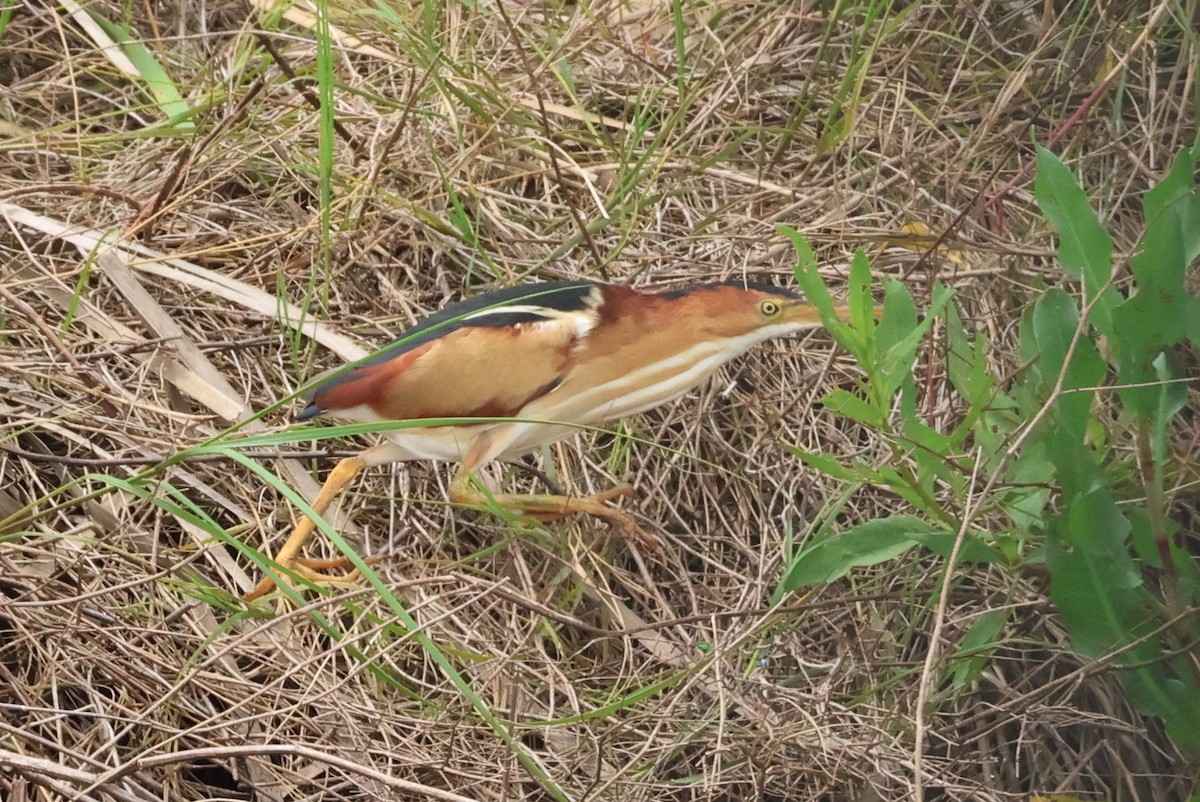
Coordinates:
<point>163,281</point>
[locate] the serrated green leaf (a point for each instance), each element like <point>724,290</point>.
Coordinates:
<point>1100,595</point>
<point>1176,192</point>
<point>1161,310</point>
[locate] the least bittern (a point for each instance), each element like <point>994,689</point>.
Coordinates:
<point>550,357</point>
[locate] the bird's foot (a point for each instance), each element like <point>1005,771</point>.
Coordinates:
<point>316,572</point>
<point>547,507</point>
<point>288,557</point>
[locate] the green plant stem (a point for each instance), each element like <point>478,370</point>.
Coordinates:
<point>1156,511</point>
<point>928,501</point>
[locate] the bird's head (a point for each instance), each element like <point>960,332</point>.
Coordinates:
<point>739,311</point>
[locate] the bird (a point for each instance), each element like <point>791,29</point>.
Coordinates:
<point>526,366</point>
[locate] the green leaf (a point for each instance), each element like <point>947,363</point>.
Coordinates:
<point>976,647</point>
<point>1026,505</point>
<point>924,436</point>
<point>1160,311</point>
<point>1172,398</point>
<point>157,82</point>
<point>1095,583</point>
<point>1105,607</point>
<point>807,275</point>
<point>1188,569</point>
<point>1176,192</point>
<point>903,486</point>
<point>831,467</point>
<point>867,544</point>
<point>862,305</point>
<point>1055,322</point>
<point>972,550</point>
<point>897,361</point>
<point>814,289</point>
<point>1085,249</point>
<point>872,543</point>
<point>846,403</point>
<point>901,355</point>
<point>899,314</point>
<point>1145,544</point>
<point>960,355</point>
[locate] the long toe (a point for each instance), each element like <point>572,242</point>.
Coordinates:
<point>628,526</point>
<point>620,491</point>
<point>596,506</point>
<point>316,572</point>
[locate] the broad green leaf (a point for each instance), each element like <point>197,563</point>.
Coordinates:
<point>1105,607</point>
<point>872,543</point>
<point>1156,316</point>
<point>899,314</point>
<point>897,361</point>
<point>1183,712</point>
<point>1145,546</point>
<point>1160,310</point>
<point>846,403</point>
<point>1095,584</point>
<point>1055,322</point>
<point>1162,261</point>
<point>1187,568</point>
<point>1176,192</point>
<point>868,544</point>
<point>972,550</point>
<point>1085,249</point>
<point>1075,465</point>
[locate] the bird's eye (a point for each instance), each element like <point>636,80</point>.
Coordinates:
<point>769,308</point>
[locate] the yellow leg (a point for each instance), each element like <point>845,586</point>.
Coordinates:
<point>552,507</point>
<point>289,555</point>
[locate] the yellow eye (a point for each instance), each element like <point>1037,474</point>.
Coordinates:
<point>769,308</point>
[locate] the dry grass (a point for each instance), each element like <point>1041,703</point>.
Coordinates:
<point>513,141</point>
